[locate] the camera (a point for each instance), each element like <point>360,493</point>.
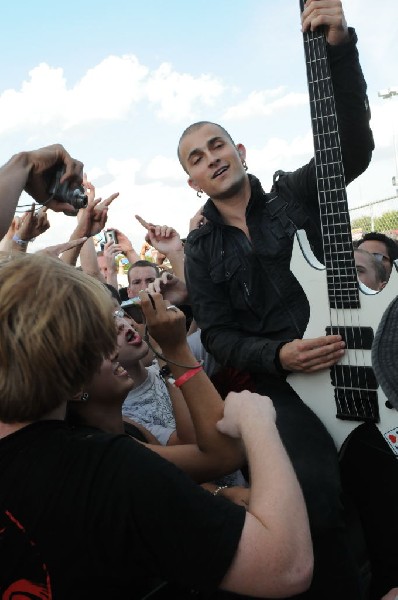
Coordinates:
<point>110,236</point>
<point>62,192</point>
<point>133,309</point>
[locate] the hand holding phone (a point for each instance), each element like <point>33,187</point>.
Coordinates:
<point>110,236</point>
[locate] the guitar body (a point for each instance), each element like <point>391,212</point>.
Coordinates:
<point>340,402</point>
<point>348,393</point>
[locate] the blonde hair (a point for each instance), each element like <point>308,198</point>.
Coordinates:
<point>56,326</point>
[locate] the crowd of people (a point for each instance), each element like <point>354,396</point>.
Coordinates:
<point>151,445</point>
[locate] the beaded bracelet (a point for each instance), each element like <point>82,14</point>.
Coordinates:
<point>187,375</point>
<point>219,489</point>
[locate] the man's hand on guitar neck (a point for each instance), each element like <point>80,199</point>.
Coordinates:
<point>328,13</point>
<point>309,356</point>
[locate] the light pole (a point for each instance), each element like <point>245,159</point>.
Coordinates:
<point>385,94</point>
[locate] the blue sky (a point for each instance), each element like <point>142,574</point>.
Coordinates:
<point>117,82</point>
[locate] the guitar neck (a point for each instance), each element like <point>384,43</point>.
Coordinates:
<point>335,220</point>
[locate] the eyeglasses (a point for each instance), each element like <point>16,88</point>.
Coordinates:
<point>380,257</point>
<point>119,314</point>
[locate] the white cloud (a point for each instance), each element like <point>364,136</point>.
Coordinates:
<point>384,121</point>
<point>281,153</point>
<point>108,91</point>
<point>178,93</point>
<point>162,168</point>
<point>259,104</point>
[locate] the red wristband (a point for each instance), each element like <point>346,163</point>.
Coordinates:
<point>187,375</point>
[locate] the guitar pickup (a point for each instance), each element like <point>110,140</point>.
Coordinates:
<point>354,337</point>
<point>357,405</point>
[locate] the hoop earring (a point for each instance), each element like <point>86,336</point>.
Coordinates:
<point>84,397</point>
<point>199,193</point>
<point>244,164</point>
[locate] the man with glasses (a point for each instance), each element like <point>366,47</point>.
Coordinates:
<point>383,248</point>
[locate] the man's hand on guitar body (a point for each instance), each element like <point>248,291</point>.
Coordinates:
<point>309,356</point>
<point>328,13</point>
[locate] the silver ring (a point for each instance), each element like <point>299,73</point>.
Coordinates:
<point>172,307</point>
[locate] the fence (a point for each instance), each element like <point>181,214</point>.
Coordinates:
<point>381,215</point>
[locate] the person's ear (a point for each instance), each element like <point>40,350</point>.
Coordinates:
<point>241,150</point>
<point>194,185</point>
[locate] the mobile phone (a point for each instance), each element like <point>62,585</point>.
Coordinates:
<point>110,236</point>
<point>133,309</point>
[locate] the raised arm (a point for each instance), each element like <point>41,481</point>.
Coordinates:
<point>26,171</point>
<point>215,454</point>
<point>167,241</point>
<point>352,106</point>
<point>127,247</point>
<point>90,220</point>
<point>25,229</point>
<point>276,530</point>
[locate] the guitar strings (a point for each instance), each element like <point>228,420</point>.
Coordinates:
<point>333,181</point>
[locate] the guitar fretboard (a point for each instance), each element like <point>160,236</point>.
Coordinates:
<point>335,221</point>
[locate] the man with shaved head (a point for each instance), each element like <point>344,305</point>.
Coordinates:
<point>250,308</point>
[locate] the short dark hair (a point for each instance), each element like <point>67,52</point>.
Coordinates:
<point>379,268</point>
<point>195,127</point>
<point>143,263</point>
<point>391,245</point>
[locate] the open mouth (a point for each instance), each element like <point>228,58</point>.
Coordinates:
<point>119,371</point>
<point>219,172</point>
<point>133,338</point>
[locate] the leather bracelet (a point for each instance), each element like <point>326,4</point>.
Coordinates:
<point>184,378</point>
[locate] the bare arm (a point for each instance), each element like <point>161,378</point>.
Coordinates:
<point>111,250</point>
<point>90,220</point>
<point>24,171</point>
<point>185,430</point>
<point>214,453</point>
<point>276,530</point>
<point>127,247</point>
<point>89,262</point>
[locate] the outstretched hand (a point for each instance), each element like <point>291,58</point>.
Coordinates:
<point>32,224</point>
<point>93,218</point>
<point>55,251</point>
<point>111,250</point>
<point>40,162</point>
<point>163,238</point>
<point>165,324</point>
<point>197,220</point>
<point>171,287</point>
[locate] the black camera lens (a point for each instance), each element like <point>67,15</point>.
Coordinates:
<point>61,191</point>
<point>76,198</point>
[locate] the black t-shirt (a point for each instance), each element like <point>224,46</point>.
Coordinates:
<point>85,514</point>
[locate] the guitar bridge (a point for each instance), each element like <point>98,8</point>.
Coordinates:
<point>357,405</point>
